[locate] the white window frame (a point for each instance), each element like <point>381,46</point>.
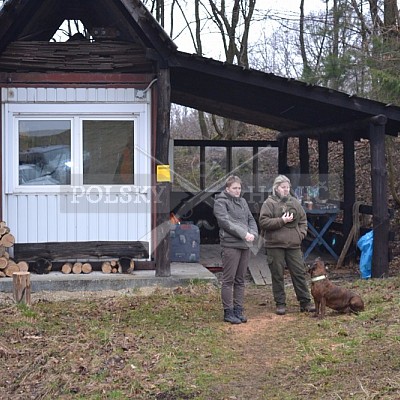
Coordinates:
<point>76,113</point>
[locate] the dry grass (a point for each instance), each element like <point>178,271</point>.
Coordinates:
<point>174,345</point>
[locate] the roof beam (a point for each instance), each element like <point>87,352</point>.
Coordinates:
<point>332,129</point>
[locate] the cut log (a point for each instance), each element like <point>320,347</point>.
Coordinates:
<point>126,265</point>
<point>77,268</point>
<point>114,270</point>
<point>10,269</point>
<point>86,268</point>
<point>2,224</point>
<point>22,287</point>
<point>42,266</point>
<point>2,274</point>
<point>3,251</point>
<point>114,263</point>
<point>3,262</point>
<point>23,266</point>
<point>106,267</point>
<point>4,230</point>
<point>7,240</point>
<point>66,268</point>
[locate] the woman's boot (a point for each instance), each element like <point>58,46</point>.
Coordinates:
<point>229,316</point>
<point>238,311</point>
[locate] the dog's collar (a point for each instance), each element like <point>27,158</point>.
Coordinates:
<point>318,278</point>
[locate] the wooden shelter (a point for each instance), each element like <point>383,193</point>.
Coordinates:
<point>123,80</point>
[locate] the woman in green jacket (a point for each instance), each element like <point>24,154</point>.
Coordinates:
<point>284,225</point>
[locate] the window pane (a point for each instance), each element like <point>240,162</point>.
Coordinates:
<point>267,167</point>
<point>186,169</point>
<point>108,152</point>
<point>242,164</point>
<point>215,165</point>
<point>44,152</point>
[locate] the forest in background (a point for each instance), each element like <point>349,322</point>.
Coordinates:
<point>351,46</point>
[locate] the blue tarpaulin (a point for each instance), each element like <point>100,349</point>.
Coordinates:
<point>366,245</point>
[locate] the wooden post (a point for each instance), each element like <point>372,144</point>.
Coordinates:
<point>22,287</point>
<point>380,260</point>
<point>323,168</point>
<point>162,206</point>
<point>1,160</point>
<point>304,156</point>
<point>202,167</point>
<point>228,160</point>
<point>282,155</point>
<point>255,170</point>
<point>349,182</point>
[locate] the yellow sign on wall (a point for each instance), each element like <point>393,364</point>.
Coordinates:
<point>163,173</point>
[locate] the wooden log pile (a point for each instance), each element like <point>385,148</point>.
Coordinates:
<point>76,268</point>
<point>7,265</point>
<point>123,265</point>
<point>42,265</point>
<point>114,266</point>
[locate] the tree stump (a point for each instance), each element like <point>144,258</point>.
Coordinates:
<point>23,266</point>
<point>22,287</point>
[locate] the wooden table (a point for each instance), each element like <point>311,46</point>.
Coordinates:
<point>318,234</point>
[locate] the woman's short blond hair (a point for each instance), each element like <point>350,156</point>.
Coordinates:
<point>231,180</point>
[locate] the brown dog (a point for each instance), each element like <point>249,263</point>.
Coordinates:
<point>327,294</point>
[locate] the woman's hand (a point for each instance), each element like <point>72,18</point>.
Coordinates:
<point>249,237</point>
<point>287,217</point>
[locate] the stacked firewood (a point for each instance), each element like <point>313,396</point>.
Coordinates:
<point>7,265</point>
<point>123,265</point>
<point>76,268</point>
<point>43,265</point>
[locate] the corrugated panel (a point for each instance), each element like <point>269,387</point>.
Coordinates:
<point>56,218</point>
<point>40,217</point>
<point>71,95</point>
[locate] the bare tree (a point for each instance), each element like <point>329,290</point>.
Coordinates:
<point>232,20</point>
<point>234,28</point>
<point>157,8</point>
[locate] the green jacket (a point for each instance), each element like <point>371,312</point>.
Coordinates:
<point>234,220</point>
<point>276,233</point>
